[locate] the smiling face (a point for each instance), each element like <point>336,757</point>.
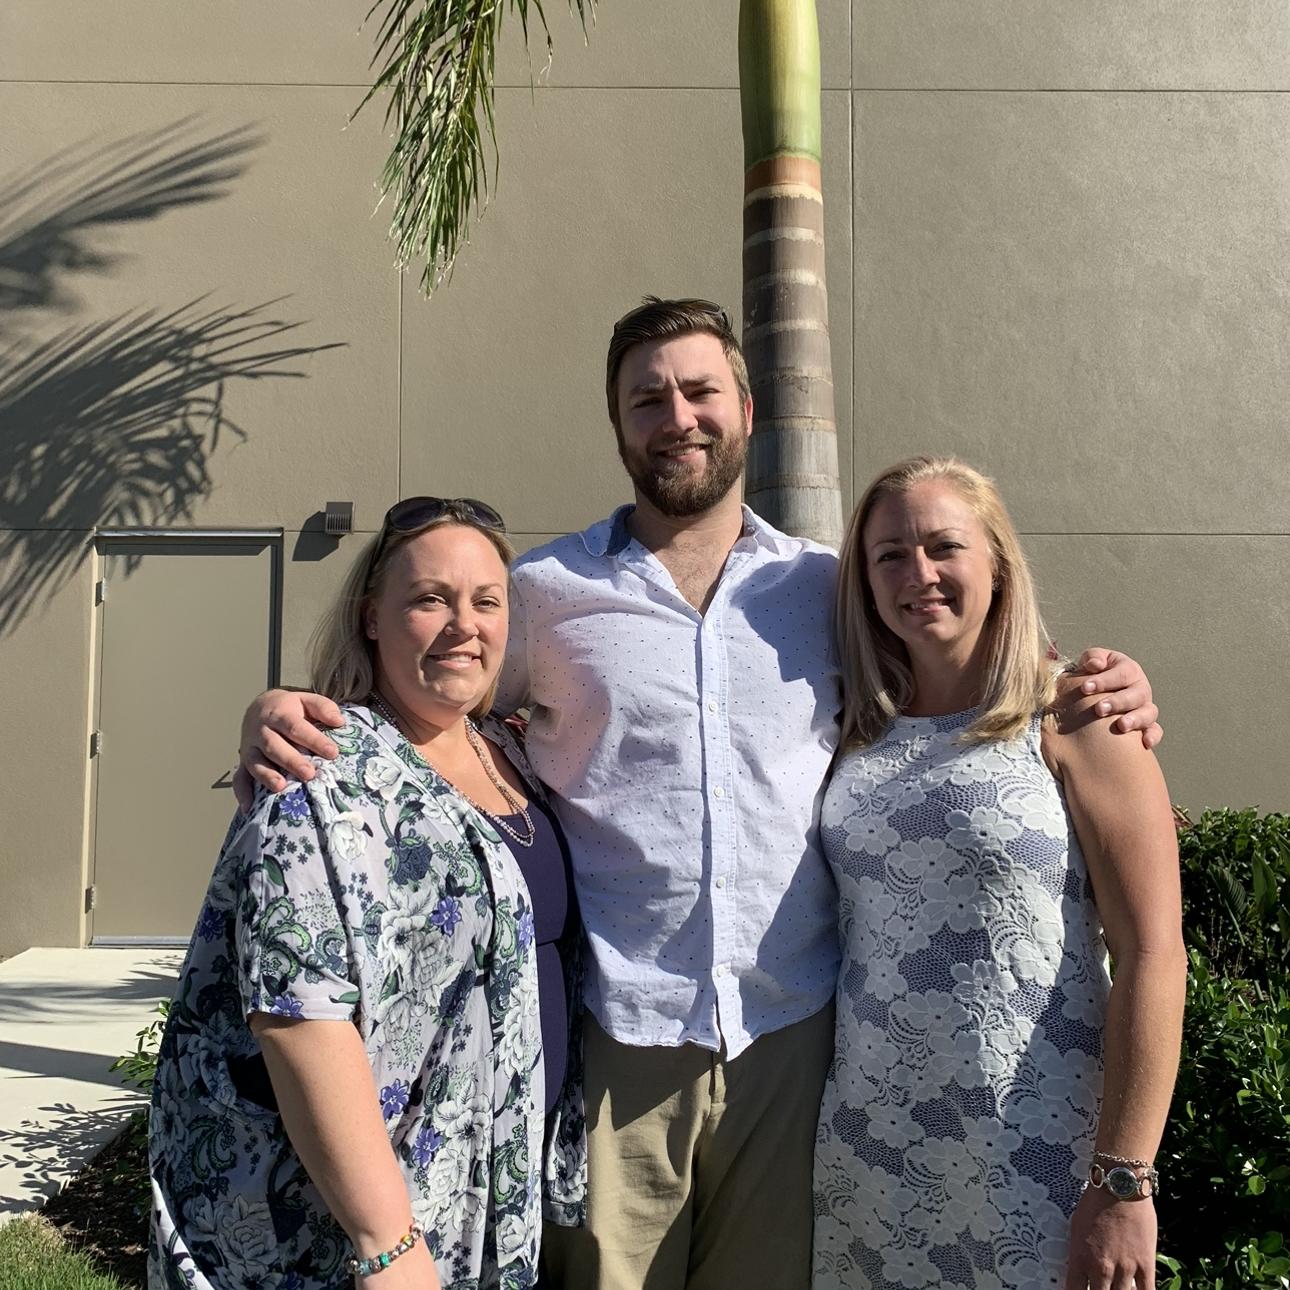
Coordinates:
<point>684,428</point>
<point>439,622</point>
<point>930,570</point>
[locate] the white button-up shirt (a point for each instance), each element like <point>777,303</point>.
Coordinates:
<point>686,753</point>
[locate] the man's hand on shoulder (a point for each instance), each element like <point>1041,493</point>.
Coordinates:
<point>1125,688</point>
<point>279,738</point>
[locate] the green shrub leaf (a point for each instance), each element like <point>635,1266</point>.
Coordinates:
<point>1226,1149</point>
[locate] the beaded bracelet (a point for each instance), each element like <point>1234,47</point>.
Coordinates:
<point>379,1262</point>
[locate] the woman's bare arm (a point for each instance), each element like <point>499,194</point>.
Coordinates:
<point>1123,819</point>
<point>329,1106</point>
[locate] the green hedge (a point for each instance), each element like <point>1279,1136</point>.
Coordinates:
<point>1225,1160</point>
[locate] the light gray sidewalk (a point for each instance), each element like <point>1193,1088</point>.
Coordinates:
<point>65,1016</point>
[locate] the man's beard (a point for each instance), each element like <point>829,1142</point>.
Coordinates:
<point>679,492</point>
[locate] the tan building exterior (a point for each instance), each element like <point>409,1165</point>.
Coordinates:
<point>1058,246</point>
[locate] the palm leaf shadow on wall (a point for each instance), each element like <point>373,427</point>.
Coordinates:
<point>113,423</point>
<point>53,215</point>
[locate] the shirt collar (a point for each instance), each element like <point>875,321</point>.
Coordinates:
<point>611,536</point>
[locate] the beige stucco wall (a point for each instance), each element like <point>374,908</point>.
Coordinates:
<point>1057,245</point>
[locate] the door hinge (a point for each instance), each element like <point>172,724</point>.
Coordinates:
<point>100,591</point>
<point>91,897</point>
<point>96,743</point>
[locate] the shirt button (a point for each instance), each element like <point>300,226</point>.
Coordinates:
<point>721,882</point>
<point>712,705</point>
<point>718,791</point>
<point>722,970</point>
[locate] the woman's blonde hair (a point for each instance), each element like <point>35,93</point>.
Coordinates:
<point>877,679</point>
<point>342,658</point>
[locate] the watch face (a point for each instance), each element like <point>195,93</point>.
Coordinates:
<point>1122,1182</point>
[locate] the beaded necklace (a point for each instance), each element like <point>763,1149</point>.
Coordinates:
<point>508,795</point>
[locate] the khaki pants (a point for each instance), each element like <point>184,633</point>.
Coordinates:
<point>699,1171</point>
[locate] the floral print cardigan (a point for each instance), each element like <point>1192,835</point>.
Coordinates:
<point>376,894</point>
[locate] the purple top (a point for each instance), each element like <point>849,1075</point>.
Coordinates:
<point>545,866</point>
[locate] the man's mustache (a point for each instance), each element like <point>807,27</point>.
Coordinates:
<point>687,443</point>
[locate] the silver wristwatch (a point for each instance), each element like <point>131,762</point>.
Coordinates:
<point>1123,1181</point>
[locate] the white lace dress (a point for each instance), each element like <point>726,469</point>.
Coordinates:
<point>960,1113</point>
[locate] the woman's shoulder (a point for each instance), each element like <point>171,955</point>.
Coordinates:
<point>360,728</point>
<point>365,736</point>
<point>338,782</point>
<point>1073,733</point>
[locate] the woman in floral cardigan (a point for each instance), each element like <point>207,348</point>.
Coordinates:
<point>352,1082</point>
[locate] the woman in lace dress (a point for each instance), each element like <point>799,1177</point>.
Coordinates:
<point>988,848</point>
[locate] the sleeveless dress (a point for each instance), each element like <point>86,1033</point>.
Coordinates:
<point>960,1112</point>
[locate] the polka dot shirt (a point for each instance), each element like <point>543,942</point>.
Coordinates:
<point>686,753</point>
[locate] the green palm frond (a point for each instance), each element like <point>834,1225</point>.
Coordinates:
<point>436,60</point>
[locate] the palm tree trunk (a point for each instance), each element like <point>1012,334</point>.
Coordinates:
<point>792,477</point>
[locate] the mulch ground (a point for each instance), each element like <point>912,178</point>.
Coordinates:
<point>103,1211</point>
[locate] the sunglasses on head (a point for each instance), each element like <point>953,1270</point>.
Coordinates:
<point>414,513</point>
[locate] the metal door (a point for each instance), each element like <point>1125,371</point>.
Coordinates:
<point>188,636</point>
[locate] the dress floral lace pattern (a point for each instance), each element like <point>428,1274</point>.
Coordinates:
<point>371,894</point>
<point>960,1112</point>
